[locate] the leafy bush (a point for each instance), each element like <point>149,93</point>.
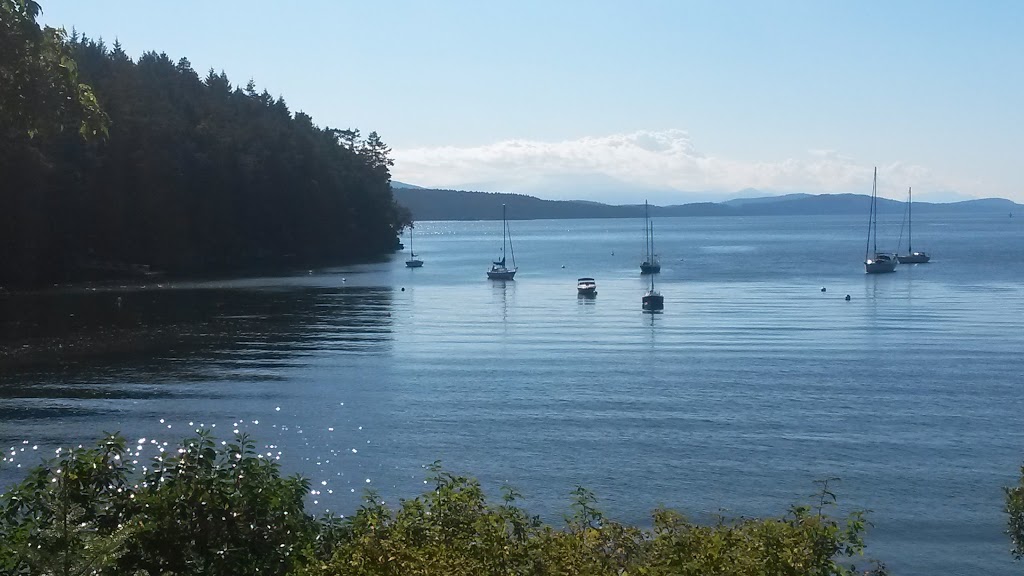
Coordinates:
<point>65,517</point>
<point>1015,512</point>
<point>452,530</point>
<point>205,509</point>
<point>220,508</point>
<point>210,511</point>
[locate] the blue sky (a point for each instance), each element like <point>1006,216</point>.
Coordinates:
<point>618,100</point>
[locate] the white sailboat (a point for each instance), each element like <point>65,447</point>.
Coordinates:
<point>413,261</point>
<point>876,262</point>
<point>499,270</point>
<point>912,257</point>
<point>650,265</point>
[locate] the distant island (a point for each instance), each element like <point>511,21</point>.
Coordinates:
<point>433,204</point>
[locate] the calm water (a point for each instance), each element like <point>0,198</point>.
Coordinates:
<point>749,387</point>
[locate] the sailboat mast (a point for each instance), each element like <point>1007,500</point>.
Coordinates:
<point>511,248</point>
<point>504,227</point>
<point>871,215</point>
<point>874,210</point>
<point>910,220</point>
<point>647,234</point>
<point>651,226</point>
<point>651,259</point>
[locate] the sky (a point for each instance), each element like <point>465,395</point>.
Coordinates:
<point>626,100</point>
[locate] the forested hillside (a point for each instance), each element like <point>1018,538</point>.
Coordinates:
<point>431,204</point>
<point>169,170</point>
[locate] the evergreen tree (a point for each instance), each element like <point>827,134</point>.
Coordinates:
<point>194,175</point>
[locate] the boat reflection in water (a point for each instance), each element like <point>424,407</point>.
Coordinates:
<point>116,337</point>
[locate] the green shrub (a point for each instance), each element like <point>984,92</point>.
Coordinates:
<point>222,509</point>
<point>1015,512</point>
<point>218,511</point>
<point>452,530</point>
<point>65,517</point>
<point>205,509</point>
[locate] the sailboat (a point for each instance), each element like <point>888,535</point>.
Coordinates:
<point>499,271</point>
<point>413,261</point>
<point>652,301</point>
<point>876,262</point>
<point>912,257</point>
<point>650,265</point>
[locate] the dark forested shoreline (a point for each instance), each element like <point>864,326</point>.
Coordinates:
<point>166,170</point>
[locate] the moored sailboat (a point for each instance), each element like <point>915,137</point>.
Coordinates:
<point>499,270</point>
<point>876,262</point>
<point>912,257</point>
<point>650,265</point>
<point>413,261</point>
<point>652,301</point>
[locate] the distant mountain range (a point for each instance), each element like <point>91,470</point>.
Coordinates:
<point>431,204</point>
<point>397,184</point>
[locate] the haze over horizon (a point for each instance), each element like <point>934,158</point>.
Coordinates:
<point>616,102</point>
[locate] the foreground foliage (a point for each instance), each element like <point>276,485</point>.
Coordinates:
<point>40,93</point>
<point>203,509</point>
<point>1015,513</point>
<point>221,508</point>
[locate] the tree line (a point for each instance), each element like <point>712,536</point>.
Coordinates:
<point>110,165</point>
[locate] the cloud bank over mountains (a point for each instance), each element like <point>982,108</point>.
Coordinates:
<point>664,166</point>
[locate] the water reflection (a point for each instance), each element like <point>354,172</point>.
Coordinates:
<point>504,293</point>
<point>179,334</point>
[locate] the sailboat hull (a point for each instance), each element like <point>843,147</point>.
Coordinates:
<point>915,258</point>
<point>414,263</point>
<point>648,268</point>
<point>880,265</point>
<point>652,302</point>
<point>501,274</point>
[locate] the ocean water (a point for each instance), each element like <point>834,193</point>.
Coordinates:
<point>749,387</point>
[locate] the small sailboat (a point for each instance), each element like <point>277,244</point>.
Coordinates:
<point>499,271</point>
<point>650,265</point>
<point>912,257</point>
<point>876,262</point>
<point>652,301</point>
<point>586,287</point>
<point>413,261</point>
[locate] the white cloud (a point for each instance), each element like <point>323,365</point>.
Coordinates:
<point>618,166</point>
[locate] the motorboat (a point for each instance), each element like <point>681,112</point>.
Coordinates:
<point>586,287</point>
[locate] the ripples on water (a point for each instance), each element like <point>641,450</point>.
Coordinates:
<point>751,385</point>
